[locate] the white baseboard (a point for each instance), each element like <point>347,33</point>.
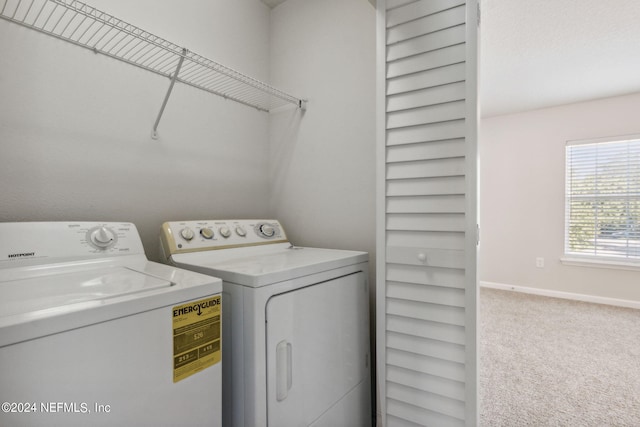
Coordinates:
<point>566,295</point>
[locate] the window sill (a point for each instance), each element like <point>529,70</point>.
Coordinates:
<point>600,263</point>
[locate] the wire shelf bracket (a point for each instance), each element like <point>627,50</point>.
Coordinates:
<point>154,133</point>
<point>88,27</point>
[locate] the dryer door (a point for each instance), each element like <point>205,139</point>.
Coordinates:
<point>318,354</point>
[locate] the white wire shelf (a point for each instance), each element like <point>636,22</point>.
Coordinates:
<point>85,26</point>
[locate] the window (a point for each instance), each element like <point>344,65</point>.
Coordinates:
<point>603,198</point>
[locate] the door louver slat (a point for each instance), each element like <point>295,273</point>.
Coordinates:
<point>426,306</point>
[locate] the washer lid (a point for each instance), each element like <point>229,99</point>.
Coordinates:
<point>32,307</point>
<point>266,265</point>
<point>56,292</point>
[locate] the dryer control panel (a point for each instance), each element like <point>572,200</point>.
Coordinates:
<point>192,236</point>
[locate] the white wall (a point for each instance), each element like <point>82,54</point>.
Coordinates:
<point>322,163</point>
<point>522,196</point>
<point>75,127</point>
<point>322,169</point>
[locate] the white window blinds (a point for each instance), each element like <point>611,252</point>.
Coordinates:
<point>603,198</point>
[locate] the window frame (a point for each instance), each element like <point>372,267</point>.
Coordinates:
<point>602,260</point>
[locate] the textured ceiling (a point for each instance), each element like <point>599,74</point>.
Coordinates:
<point>540,53</point>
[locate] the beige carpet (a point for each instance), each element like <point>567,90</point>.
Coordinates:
<point>554,362</point>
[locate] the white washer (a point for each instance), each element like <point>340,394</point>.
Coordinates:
<point>295,323</point>
<point>91,333</point>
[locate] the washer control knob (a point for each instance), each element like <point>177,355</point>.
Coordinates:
<point>224,231</point>
<point>267,230</point>
<point>102,237</point>
<point>187,233</point>
<point>207,233</point>
<point>240,231</point>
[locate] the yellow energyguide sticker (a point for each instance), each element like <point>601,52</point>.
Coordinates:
<point>196,336</point>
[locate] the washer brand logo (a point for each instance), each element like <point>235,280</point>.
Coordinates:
<point>21,255</point>
<point>196,307</point>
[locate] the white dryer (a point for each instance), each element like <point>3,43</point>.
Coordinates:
<point>295,323</point>
<point>92,333</point>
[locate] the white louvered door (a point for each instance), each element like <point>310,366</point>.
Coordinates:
<point>427,215</point>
